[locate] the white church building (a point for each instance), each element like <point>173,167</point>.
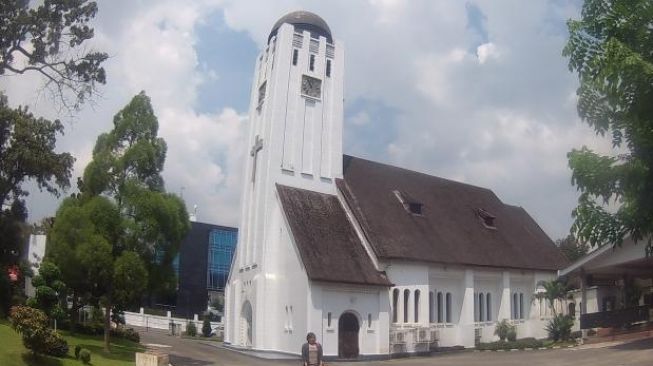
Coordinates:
<point>374,259</point>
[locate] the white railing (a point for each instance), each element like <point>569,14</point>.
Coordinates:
<point>167,322</point>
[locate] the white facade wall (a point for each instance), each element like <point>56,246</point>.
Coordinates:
<point>464,284</point>
<point>364,303</point>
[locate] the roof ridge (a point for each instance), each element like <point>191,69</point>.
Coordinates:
<point>419,173</point>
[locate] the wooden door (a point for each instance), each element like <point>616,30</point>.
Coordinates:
<point>348,328</point>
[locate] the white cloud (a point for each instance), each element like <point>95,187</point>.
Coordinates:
<point>359,119</point>
<point>153,48</point>
<point>487,51</point>
<point>501,114</point>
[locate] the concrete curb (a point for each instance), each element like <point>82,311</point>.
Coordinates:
<point>526,349</point>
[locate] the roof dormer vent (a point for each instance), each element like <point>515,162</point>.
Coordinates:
<point>486,218</point>
<point>411,205</point>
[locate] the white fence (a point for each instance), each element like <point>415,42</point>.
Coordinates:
<point>173,325</point>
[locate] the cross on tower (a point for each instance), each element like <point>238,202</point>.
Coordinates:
<point>258,146</point>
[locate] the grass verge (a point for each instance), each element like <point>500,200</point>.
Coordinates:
<point>13,353</point>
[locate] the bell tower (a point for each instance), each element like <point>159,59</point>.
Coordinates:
<point>295,121</point>
<point>295,139</point>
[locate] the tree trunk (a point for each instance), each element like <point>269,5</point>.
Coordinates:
<point>107,325</point>
<point>74,314</point>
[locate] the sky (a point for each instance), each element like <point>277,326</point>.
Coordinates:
<point>475,91</point>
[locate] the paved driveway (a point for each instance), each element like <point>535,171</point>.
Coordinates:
<point>186,352</point>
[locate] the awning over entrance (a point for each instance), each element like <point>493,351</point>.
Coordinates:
<point>616,285</point>
<point>630,258</point>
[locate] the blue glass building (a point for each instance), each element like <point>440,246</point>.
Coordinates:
<point>204,261</point>
<point>222,244</point>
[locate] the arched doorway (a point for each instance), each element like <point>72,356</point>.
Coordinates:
<point>348,328</point>
<point>246,325</point>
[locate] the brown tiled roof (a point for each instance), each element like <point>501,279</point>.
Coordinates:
<point>449,230</point>
<point>328,245</point>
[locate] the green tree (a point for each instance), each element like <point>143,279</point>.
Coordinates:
<point>27,152</point>
<point>80,243</point>
<point>572,248</point>
<point>50,291</point>
<point>49,39</point>
<point>611,49</point>
<point>128,217</point>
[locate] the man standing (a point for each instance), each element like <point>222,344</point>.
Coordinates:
<point>312,351</point>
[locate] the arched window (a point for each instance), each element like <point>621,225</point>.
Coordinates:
<point>395,303</point>
<point>431,307</point>
<point>448,309</point>
<point>488,305</point>
<point>521,305</point>
<point>369,320</point>
<point>481,307</point>
<point>440,308</point>
<point>476,317</point>
<point>515,306</point>
<point>417,293</point>
<point>572,309</point>
<point>406,298</point>
<point>329,320</point>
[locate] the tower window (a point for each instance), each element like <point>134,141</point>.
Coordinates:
<point>261,93</point>
<point>295,55</point>
<point>311,63</point>
<point>328,68</point>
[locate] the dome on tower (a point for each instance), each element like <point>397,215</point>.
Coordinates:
<point>304,20</point>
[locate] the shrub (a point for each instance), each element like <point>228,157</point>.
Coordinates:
<point>89,329</point>
<point>512,334</point>
<point>85,356</point>
<point>55,345</point>
<point>206,328</point>
<point>125,333</point>
<point>77,349</point>
<point>32,325</point>
<point>191,329</point>
<point>132,335</point>
<point>518,344</point>
<point>559,327</point>
<point>503,328</point>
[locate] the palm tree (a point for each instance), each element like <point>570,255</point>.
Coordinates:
<point>554,290</point>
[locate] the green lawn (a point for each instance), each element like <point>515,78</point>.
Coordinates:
<point>12,352</point>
